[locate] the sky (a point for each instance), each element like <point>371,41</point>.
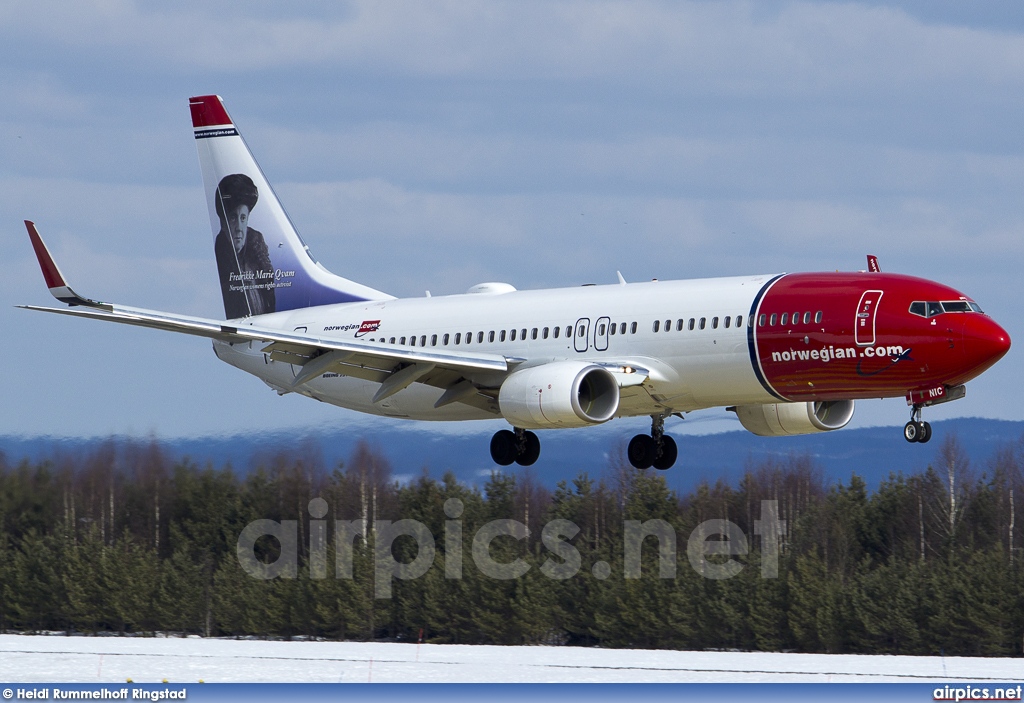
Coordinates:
<point>432,146</point>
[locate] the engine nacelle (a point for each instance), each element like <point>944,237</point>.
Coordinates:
<point>781,419</point>
<point>559,394</point>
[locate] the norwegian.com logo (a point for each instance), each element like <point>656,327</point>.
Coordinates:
<point>367,327</point>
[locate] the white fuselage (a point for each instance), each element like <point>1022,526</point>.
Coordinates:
<point>706,366</point>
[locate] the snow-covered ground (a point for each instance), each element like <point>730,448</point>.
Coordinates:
<point>188,660</point>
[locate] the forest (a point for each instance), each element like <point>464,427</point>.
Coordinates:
<point>120,539</point>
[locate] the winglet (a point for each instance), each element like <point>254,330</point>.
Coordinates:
<point>59,288</point>
<point>873,264</point>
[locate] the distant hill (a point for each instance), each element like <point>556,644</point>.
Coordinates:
<point>873,453</point>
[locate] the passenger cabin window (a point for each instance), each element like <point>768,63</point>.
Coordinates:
<point>557,330</point>
<point>544,333</point>
<point>513,336</point>
<point>760,320</point>
<point>817,317</point>
<point>533,333</point>
<point>668,325</point>
<point>632,328</point>
<point>402,342</point>
<point>657,325</point>
<point>458,338</point>
<point>612,327</point>
<point>622,328</point>
<point>479,337</point>
<point>679,325</point>
<point>433,340</point>
<point>501,336</point>
<point>728,320</point>
<point>522,334</point>
<point>444,340</point>
<point>772,319</point>
<point>490,336</point>
<point>783,320</point>
<point>714,323</point>
<point>703,322</point>
<point>739,320</point>
<point>807,318</point>
<point>581,332</point>
<point>692,324</point>
<point>391,341</point>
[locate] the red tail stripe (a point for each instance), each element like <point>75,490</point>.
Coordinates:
<point>208,111</point>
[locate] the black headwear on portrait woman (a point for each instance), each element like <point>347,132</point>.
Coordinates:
<point>232,191</point>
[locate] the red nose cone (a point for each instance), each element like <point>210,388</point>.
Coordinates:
<point>985,342</point>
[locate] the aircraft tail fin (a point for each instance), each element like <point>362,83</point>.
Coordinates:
<point>263,264</point>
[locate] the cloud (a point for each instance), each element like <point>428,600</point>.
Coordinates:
<point>721,48</point>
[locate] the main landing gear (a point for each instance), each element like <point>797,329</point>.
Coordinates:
<point>656,449</point>
<point>917,430</point>
<point>521,447</point>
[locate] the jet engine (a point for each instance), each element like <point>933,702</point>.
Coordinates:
<point>781,419</point>
<point>559,394</point>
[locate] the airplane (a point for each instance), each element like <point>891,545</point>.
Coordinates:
<point>788,353</point>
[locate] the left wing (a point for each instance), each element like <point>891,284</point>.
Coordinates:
<point>394,368</point>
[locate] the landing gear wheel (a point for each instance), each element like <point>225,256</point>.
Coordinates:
<point>504,447</point>
<point>917,430</point>
<point>642,451</point>
<point>668,454</point>
<point>530,451</point>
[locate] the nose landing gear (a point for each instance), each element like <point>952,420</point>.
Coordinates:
<point>917,430</point>
<point>656,449</point>
<point>521,447</point>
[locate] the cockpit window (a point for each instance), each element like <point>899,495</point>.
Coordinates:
<point>956,306</point>
<point>932,308</point>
